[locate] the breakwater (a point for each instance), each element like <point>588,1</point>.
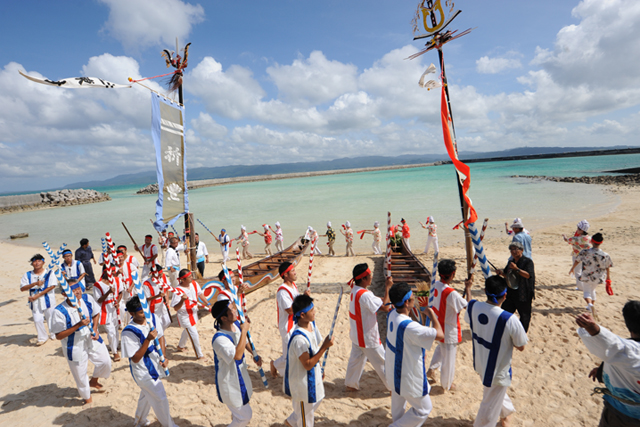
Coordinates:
<point>51,199</point>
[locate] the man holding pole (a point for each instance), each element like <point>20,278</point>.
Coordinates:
<point>72,269</point>
<point>185,302</point>
<point>173,260</point>
<point>225,243</point>
<point>40,283</point>
<point>150,253</point>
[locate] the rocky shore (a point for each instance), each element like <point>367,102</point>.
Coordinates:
<point>630,180</point>
<point>51,199</point>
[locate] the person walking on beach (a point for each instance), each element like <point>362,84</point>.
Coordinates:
<point>202,255</point>
<point>595,270</point>
<point>348,237</point>
<point>404,359</point>
<point>267,239</point>
<point>244,239</point>
<point>279,237</point>
<point>521,237</point>
<point>330,234</point>
<point>312,235</point>
<point>619,370</point>
<point>432,237</point>
<point>72,269</point>
<point>406,233</point>
<point>173,260</point>
<point>185,303</point>
<point>231,376</point>
<point>579,241</point>
<point>363,322</point>
<point>144,363</point>
<point>84,254</point>
<point>225,243</point>
<point>303,378</point>
<point>520,273</point>
<point>40,283</point>
<point>150,254</point>
<point>495,334</point>
<point>511,232</point>
<point>156,296</point>
<point>108,299</point>
<point>79,346</point>
<point>377,237</point>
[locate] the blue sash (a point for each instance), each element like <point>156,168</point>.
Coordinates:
<point>34,291</point>
<point>243,387</point>
<point>148,363</point>
<point>398,351</point>
<point>311,375</point>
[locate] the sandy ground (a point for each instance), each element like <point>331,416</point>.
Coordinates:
<point>550,384</point>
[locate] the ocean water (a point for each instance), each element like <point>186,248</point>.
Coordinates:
<point>360,198</point>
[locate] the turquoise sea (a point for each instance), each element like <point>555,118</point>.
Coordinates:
<point>361,198</point>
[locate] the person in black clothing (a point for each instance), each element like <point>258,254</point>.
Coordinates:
<point>84,254</point>
<point>521,277</point>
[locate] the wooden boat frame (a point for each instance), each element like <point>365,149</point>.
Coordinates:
<point>406,267</point>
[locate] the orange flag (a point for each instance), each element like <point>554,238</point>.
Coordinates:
<point>462,170</point>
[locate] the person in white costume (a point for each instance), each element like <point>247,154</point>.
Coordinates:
<point>150,253</point>
<point>40,283</point>
<point>127,265</point>
<point>108,298</point>
<point>185,302</point>
<point>285,295</point>
<point>579,241</point>
<point>404,359</point>
<point>79,346</point>
<point>620,367</point>
<point>377,237</point>
<point>303,374</point>
<point>202,255</point>
<point>495,333</point>
<point>154,292</point>
<point>225,243</point>
<point>243,238</point>
<point>231,377</point>
<point>432,237</point>
<point>72,269</point>
<point>145,365</point>
<point>172,261</point>
<point>363,320</point>
<point>226,294</point>
<point>312,235</point>
<point>279,238</point>
<point>447,304</point>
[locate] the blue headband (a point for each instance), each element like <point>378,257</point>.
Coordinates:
<point>75,285</point>
<point>405,299</point>
<point>67,251</point>
<point>494,298</point>
<point>304,310</point>
<point>223,231</point>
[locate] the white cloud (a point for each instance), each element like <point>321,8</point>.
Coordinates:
<point>486,65</point>
<point>143,23</point>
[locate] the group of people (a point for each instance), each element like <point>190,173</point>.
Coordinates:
<point>400,362</point>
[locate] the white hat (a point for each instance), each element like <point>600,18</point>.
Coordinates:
<point>266,227</point>
<point>277,223</point>
<point>376,224</point>
<point>517,224</point>
<point>430,219</point>
<point>584,225</point>
<point>242,227</point>
<point>329,224</point>
<point>310,228</point>
<point>348,224</point>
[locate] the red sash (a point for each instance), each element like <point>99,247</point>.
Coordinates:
<point>151,300</point>
<point>188,305</point>
<point>290,319</point>
<point>441,311</point>
<point>103,305</point>
<point>358,317</point>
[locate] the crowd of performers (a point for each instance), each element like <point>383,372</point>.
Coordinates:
<point>112,304</point>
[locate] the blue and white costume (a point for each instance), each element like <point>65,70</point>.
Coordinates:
<point>42,308</point>
<point>621,370</point>
<point>74,271</point>
<point>147,373</point>
<point>305,387</point>
<point>79,348</point>
<point>405,369</point>
<point>232,379</point>
<point>225,243</point>
<point>495,333</point>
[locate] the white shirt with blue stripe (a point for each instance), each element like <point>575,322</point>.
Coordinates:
<point>494,334</point>
<point>74,271</point>
<point>47,300</point>
<point>78,344</point>
<point>148,367</point>
<point>300,384</point>
<point>231,376</point>
<point>404,362</point>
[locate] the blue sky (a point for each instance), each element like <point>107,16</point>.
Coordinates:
<point>285,81</point>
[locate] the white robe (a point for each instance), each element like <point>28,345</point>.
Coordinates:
<point>232,379</point>
<point>42,308</point>
<point>300,384</point>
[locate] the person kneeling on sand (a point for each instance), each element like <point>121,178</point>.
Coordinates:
<point>79,346</point>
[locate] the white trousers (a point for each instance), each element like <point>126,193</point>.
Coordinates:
<point>99,356</point>
<point>303,413</point>
<point>414,417</point>
<point>279,246</point>
<point>495,405</point>
<point>577,272</point>
<point>241,416</point>
<point>125,317</point>
<point>444,358</point>
<point>430,240</point>
<point>589,290</point>
<point>316,251</point>
<point>113,334</point>
<point>146,269</point>
<point>406,244</point>
<point>190,333</point>
<point>163,314</point>
<point>39,317</point>
<point>173,277</point>
<point>281,362</point>
<point>376,248</point>
<point>153,395</point>
<point>358,359</point>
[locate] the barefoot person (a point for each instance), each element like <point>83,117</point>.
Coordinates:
<point>363,320</point>
<point>595,270</point>
<point>404,358</point>
<point>79,346</point>
<point>231,377</point>
<point>619,368</point>
<point>108,298</point>
<point>303,379</point>
<point>495,334</point>
<point>447,305</point>
<point>42,300</point>
<point>185,303</point>
<point>145,365</point>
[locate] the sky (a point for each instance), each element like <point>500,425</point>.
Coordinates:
<point>295,80</point>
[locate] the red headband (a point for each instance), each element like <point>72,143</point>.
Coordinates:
<point>596,242</point>
<point>287,270</point>
<point>359,276</point>
<point>184,276</point>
